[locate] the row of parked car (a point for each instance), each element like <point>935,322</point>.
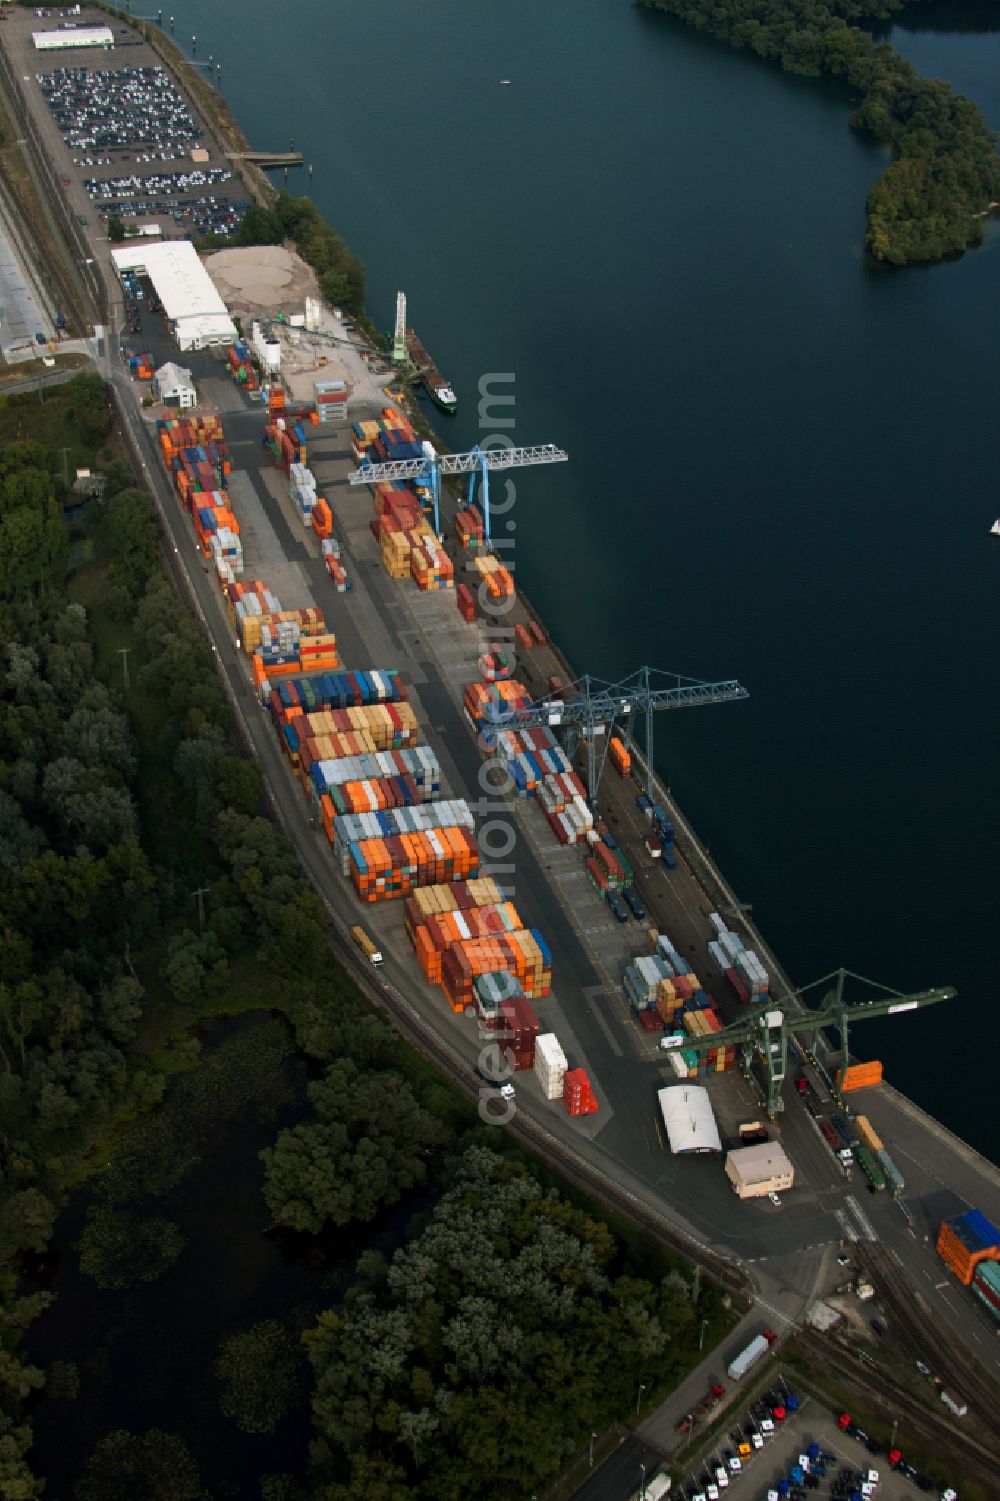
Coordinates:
<point>207,215</point>
<point>104,189</point>
<point>100,108</point>
<point>894,1456</point>
<point>726,1465</point>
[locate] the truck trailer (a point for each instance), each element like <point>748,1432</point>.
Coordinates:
<point>367,947</point>
<point>750,1356</point>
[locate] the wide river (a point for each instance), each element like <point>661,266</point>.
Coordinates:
<point>783,461</point>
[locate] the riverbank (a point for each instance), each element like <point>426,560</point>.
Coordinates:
<point>928,203</point>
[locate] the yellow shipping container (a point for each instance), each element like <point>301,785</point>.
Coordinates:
<point>868,1134</point>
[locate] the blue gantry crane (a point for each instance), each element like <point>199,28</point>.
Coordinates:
<point>478,462</point>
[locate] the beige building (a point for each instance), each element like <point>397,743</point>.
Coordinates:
<point>758,1170</point>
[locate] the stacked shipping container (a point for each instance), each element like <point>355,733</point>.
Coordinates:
<point>522,954</point>
<point>550,1065</point>
<point>578,1096</point>
<point>741,966</point>
<point>654,984</point>
<point>965,1241</point>
<point>331,400</point>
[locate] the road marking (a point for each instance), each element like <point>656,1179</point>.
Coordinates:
<point>845,1224</point>
<point>867,1229</point>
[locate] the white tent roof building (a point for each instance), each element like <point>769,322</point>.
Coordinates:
<point>73,36</point>
<point>174,384</point>
<point>687,1115</point>
<point>189,296</point>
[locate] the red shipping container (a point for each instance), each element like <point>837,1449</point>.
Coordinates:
<point>738,984</point>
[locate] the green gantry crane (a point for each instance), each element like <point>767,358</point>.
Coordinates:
<point>767,1030</point>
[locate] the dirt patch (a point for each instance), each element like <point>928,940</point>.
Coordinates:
<point>262,280</point>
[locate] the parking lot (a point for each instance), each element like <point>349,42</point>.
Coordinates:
<point>122,111</point>
<point>758,1457</point>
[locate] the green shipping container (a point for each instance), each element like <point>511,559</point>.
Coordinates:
<point>871,1169</point>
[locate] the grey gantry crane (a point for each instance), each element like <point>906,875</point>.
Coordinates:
<point>767,1031</point>
<point>589,708</point>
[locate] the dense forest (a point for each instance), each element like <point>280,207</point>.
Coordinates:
<point>441,1316</point>
<point>945,170</point>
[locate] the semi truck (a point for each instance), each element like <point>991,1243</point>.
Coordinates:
<point>750,1356</point>
<point>367,947</point>
<point>870,1167</point>
<point>707,1404</point>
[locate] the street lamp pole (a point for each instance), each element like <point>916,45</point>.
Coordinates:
<point>701,1337</point>
<point>638,1396</point>
<point>592,1437</point>
<point>642,1483</point>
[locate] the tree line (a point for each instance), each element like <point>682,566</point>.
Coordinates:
<point>945,172</point>
<point>341,274</point>
<point>113,806</point>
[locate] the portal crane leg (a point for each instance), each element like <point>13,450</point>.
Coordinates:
<point>649,737</point>
<point>482,472</point>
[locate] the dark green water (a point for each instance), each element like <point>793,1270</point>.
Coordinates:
<point>782,461</point>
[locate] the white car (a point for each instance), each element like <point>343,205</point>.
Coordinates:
<point>775,1199</point>
<point>722,1478</point>
<point>756,1440</point>
<point>766,1427</point>
<point>712,1492</point>
<point>735,1463</point>
<point>873,1477</point>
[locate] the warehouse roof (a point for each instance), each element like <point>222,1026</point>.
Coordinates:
<point>687,1115</point>
<point>172,376</point>
<point>73,36</point>
<point>761,1162</point>
<point>189,295</point>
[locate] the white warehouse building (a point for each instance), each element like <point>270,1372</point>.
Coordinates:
<point>687,1115</point>
<point>174,386</point>
<point>196,312</point>
<point>73,36</point>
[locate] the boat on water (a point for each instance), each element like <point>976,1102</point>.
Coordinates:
<point>431,378</point>
<point>995,528</point>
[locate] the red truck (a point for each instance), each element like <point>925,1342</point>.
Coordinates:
<point>703,1408</point>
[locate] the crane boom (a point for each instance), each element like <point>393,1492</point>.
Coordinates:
<point>767,1031</point>
<point>589,706</point>
<point>459,463</point>
<point>481,461</point>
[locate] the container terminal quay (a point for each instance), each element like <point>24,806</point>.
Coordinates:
<point>615,889</point>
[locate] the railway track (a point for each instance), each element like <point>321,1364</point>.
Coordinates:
<point>949,1355</point>
<point>979,1460</point>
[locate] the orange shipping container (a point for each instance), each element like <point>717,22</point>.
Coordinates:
<point>859,1076</point>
